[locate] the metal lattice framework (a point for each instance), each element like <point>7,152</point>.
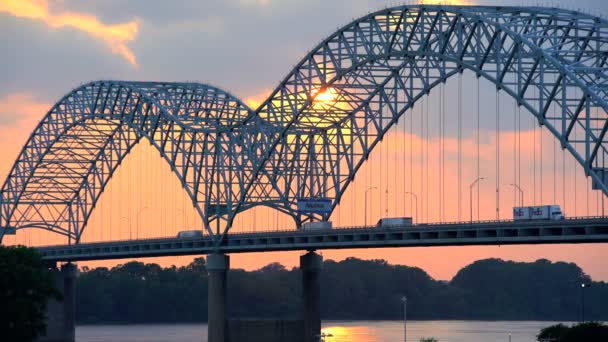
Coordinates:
<point>230,158</point>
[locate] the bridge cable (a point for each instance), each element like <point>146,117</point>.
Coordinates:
<point>440,146</point>
<point>554,161</point>
<point>515,153</point>
<point>534,158</point>
<point>497,154</point>
<point>540,133</point>
<point>575,176</point>
<point>421,138</point>
<point>404,137</point>
<point>459,147</point>
<point>478,161</point>
<point>426,142</point>
<point>411,156</point>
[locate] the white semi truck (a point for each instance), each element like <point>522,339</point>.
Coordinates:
<point>394,222</point>
<point>543,212</point>
<point>317,225</point>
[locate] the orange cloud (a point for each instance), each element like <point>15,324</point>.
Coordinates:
<point>256,100</point>
<point>115,36</point>
<point>19,114</point>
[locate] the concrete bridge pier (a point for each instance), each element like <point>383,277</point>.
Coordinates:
<point>61,325</point>
<point>217,314</point>
<point>311,264</point>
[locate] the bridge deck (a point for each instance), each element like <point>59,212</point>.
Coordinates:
<point>580,230</point>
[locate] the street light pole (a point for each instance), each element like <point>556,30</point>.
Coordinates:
<point>404,300</point>
<point>366,190</point>
<point>521,194</point>
<point>583,287</point>
<point>471,197</point>
<point>416,203</point>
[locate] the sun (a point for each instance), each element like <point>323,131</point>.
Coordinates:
<point>327,95</point>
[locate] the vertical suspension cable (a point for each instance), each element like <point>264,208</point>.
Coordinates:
<point>519,148</point>
<point>540,132</point>
<point>575,178</point>
<point>554,162</point>
<point>421,138</point>
<point>515,153</point>
<point>411,157</point>
<point>440,172</point>
<point>381,171</point>
<point>443,153</point>
<point>426,142</point>
<point>534,158</point>
<point>564,179</point>
<point>497,155</point>
<point>459,147</point>
<point>404,146</point>
<point>478,160</point>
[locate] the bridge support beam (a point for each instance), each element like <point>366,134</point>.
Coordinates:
<point>310,265</point>
<point>61,325</point>
<point>217,269</point>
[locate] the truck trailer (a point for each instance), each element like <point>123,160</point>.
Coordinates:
<point>394,222</point>
<point>543,212</point>
<point>317,225</point>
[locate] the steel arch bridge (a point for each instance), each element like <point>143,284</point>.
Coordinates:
<point>231,158</point>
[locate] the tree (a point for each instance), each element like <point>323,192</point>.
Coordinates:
<point>588,332</point>
<point>25,288</point>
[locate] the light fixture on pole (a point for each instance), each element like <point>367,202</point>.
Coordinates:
<point>416,202</point>
<point>366,190</point>
<point>583,287</point>
<point>471,197</point>
<point>521,194</point>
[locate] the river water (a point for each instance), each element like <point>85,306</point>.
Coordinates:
<point>341,331</point>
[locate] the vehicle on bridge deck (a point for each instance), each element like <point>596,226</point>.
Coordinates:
<point>189,234</point>
<point>543,212</point>
<point>319,225</point>
<point>394,222</point>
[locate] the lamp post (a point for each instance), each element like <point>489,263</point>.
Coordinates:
<point>583,287</point>
<point>129,219</point>
<point>416,203</point>
<point>471,197</point>
<point>138,218</point>
<point>521,194</point>
<point>404,300</point>
<point>366,190</point>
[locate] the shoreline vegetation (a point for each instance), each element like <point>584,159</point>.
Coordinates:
<point>353,289</point>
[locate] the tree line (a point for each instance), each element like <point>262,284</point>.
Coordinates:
<point>490,289</point>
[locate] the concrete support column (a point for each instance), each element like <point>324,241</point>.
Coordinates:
<point>61,324</point>
<point>310,265</point>
<point>217,268</point>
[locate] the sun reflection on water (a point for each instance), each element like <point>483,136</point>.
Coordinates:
<point>348,333</point>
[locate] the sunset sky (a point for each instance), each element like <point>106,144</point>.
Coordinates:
<point>246,47</point>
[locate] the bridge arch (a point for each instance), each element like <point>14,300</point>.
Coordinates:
<point>74,151</point>
<point>379,65</point>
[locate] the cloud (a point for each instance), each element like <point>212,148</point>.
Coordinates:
<point>19,107</point>
<point>116,36</point>
<point>256,100</point>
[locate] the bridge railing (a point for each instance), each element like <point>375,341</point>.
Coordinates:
<point>371,228</point>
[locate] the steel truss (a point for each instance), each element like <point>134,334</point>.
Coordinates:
<point>230,158</point>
